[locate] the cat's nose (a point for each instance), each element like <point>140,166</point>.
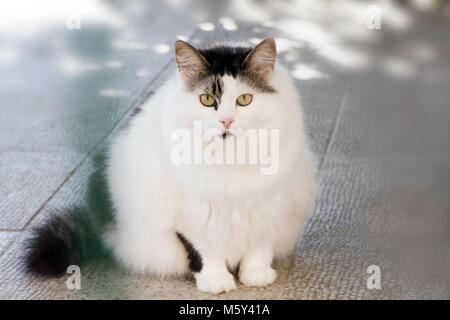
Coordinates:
<point>226,123</point>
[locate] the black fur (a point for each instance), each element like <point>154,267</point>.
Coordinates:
<point>225,60</point>
<point>228,61</point>
<point>51,248</point>
<point>72,237</point>
<point>204,68</point>
<point>195,260</point>
<point>135,112</point>
<point>216,89</point>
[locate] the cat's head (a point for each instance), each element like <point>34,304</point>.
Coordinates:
<point>227,87</point>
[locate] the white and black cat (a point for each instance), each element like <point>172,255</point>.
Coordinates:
<point>171,218</point>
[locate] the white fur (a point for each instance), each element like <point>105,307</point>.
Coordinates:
<point>230,213</point>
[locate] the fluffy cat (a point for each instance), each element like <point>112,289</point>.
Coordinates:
<point>174,218</point>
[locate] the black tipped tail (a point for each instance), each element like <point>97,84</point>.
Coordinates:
<point>72,238</point>
<point>52,247</point>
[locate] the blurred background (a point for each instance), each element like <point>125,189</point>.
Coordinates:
<point>374,81</point>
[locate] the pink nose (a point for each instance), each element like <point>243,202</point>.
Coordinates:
<point>226,123</point>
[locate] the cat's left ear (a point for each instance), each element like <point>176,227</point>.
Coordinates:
<point>189,60</point>
<point>261,60</point>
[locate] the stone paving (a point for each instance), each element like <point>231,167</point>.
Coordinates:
<point>376,110</point>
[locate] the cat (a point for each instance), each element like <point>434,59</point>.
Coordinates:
<point>194,217</point>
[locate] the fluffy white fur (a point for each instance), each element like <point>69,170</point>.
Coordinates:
<point>230,213</point>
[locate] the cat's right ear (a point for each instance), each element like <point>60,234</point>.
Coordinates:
<point>190,61</point>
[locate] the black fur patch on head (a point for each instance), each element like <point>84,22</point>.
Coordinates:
<point>225,60</point>
<point>195,260</point>
<point>212,85</point>
<point>217,88</point>
<point>230,61</point>
<point>204,68</point>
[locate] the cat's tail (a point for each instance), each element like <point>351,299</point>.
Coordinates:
<point>64,239</point>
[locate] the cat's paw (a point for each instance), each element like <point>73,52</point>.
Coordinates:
<point>215,283</point>
<point>257,277</point>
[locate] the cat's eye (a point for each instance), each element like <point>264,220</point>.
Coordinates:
<point>244,99</point>
<point>207,100</point>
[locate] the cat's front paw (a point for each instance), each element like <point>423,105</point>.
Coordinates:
<point>257,277</point>
<point>215,283</point>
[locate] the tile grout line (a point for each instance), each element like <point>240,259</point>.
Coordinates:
<point>141,97</point>
<point>138,99</point>
<point>329,139</point>
<point>333,129</point>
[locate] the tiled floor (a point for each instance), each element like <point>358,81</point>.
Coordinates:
<point>379,133</point>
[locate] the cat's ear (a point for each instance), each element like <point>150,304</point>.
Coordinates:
<point>261,60</point>
<point>189,60</point>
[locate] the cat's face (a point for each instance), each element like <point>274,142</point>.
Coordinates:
<point>227,88</point>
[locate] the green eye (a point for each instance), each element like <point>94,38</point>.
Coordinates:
<point>244,99</point>
<point>207,100</point>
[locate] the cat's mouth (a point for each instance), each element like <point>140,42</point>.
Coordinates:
<point>227,134</point>
<point>234,132</point>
